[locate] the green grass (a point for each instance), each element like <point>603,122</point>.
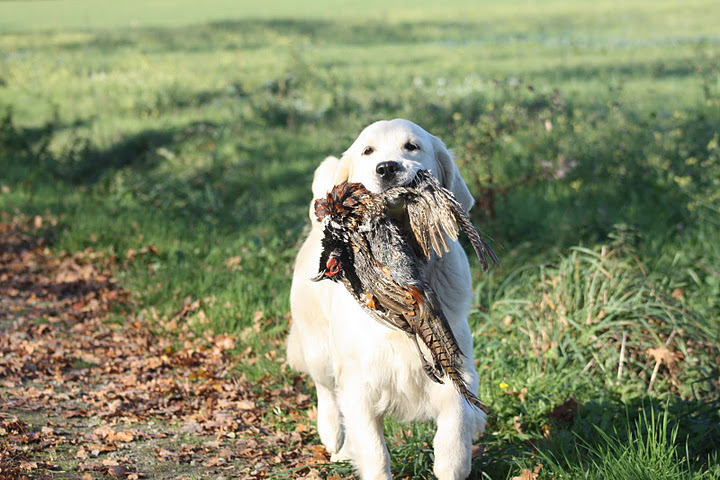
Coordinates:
<point>182,139</point>
<point>648,450</point>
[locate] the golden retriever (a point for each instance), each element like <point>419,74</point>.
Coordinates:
<point>362,369</point>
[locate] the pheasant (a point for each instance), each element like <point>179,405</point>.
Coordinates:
<point>377,246</point>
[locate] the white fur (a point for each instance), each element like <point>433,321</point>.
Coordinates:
<point>364,370</point>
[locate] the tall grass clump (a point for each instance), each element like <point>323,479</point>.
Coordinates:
<point>648,451</point>
<point>600,309</point>
<point>567,346</point>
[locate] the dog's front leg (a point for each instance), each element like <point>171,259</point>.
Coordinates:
<point>329,421</point>
<point>452,445</point>
<point>364,434</point>
<point>457,425</point>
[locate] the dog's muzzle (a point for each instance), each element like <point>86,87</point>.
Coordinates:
<point>387,170</point>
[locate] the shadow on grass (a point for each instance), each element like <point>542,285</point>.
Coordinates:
<point>250,33</point>
<point>258,33</point>
<point>575,438</point>
<point>670,69</point>
<point>600,166</point>
<point>28,152</point>
<point>229,192</point>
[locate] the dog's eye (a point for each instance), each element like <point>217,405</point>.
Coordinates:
<point>368,151</point>
<point>411,147</point>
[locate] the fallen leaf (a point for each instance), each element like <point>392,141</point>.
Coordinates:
<point>118,471</point>
<point>246,405</point>
<point>57,334</point>
<point>81,454</point>
<point>517,424</point>
<point>233,263</point>
<point>662,354</point>
<point>527,474</point>
<point>124,437</point>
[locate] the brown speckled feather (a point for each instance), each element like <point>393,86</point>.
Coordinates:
<point>434,214</point>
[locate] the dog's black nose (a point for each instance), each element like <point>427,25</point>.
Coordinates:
<point>387,170</point>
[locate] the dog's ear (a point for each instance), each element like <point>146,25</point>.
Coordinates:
<point>332,171</point>
<point>449,175</point>
<point>324,177</point>
<point>343,171</point>
<point>323,181</point>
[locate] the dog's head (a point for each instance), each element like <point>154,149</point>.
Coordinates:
<point>389,153</point>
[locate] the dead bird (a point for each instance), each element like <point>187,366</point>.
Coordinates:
<point>377,245</point>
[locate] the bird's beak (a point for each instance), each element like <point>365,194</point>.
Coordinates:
<point>320,276</point>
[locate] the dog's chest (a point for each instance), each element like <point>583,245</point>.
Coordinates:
<point>383,360</point>
<point>400,386</point>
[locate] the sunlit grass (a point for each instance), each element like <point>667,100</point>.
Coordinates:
<point>184,146</point>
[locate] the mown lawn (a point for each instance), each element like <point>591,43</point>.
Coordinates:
<point>181,137</point>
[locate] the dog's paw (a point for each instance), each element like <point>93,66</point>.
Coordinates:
<point>329,421</point>
<point>342,456</point>
<point>331,435</point>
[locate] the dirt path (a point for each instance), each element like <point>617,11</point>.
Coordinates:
<point>89,390</point>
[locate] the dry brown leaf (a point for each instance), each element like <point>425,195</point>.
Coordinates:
<point>125,374</point>
<point>519,394</point>
<point>678,294</point>
<point>662,354</point>
<point>319,453</point>
<point>27,465</point>
<point>233,263</point>
<point>527,474</point>
<point>517,424</point>
<point>81,453</point>
<point>124,437</point>
<point>118,471</point>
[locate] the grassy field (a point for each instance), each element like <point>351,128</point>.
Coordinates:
<point>182,137</point>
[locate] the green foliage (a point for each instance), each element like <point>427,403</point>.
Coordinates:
<point>597,310</point>
<point>587,132</point>
<point>647,451</point>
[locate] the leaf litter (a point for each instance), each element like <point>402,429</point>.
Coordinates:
<point>89,387</point>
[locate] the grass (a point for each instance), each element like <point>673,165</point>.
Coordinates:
<point>647,451</point>
<point>183,141</point>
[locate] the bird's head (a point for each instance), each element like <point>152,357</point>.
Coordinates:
<point>331,265</point>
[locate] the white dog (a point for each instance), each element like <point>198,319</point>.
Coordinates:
<point>362,369</point>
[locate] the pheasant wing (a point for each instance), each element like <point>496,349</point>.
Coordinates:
<point>431,222</point>
<point>481,247</point>
<point>434,214</point>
